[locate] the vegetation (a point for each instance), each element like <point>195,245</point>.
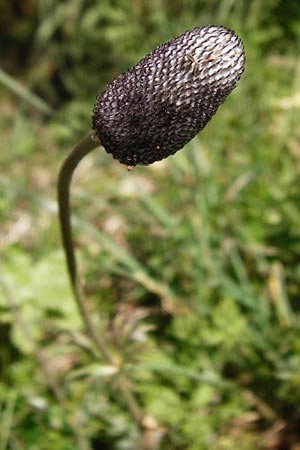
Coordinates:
<point>191,266</point>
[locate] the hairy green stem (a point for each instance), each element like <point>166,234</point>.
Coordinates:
<point>85,146</point>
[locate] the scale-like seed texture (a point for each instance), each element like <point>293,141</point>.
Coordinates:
<point>161,103</point>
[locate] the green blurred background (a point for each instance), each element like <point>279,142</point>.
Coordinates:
<point>191,266</point>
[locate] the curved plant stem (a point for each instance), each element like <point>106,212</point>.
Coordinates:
<point>85,146</point>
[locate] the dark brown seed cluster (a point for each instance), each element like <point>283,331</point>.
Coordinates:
<point>161,103</point>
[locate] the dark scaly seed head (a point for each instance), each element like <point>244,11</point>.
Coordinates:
<point>161,103</point>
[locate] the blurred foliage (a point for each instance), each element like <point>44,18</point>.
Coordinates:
<point>192,265</point>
